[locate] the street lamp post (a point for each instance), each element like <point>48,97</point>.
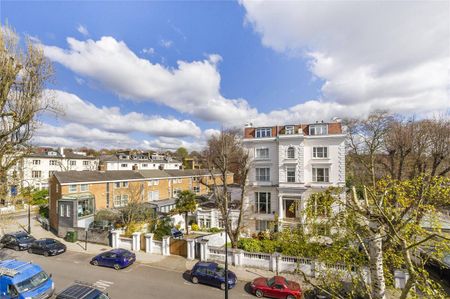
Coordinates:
<point>226,247</point>
<point>28,204</point>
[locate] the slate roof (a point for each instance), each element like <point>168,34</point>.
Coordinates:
<point>154,173</point>
<point>73,176</point>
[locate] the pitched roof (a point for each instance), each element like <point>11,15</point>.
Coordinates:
<point>96,176</point>
<point>154,173</point>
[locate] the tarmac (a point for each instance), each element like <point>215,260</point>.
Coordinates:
<point>171,263</point>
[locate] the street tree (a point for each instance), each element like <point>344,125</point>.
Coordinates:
<point>24,74</point>
<point>384,230</point>
<point>223,156</point>
<point>185,204</point>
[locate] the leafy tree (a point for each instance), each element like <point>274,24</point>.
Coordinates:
<point>186,203</point>
<point>182,152</point>
<point>383,230</point>
<point>160,227</point>
<point>39,197</point>
<point>23,73</point>
<point>225,154</point>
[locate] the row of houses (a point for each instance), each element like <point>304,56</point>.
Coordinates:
<point>75,196</point>
<point>35,169</point>
<point>288,163</point>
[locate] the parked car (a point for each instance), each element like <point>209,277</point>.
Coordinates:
<point>212,274</point>
<point>82,290</point>
<point>47,247</point>
<point>21,280</point>
<point>17,241</point>
<point>176,234</point>
<point>276,287</point>
<point>100,225</point>
<point>116,258</point>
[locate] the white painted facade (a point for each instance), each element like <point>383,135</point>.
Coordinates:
<point>36,169</point>
<point>139,162</point>
<point>295,172</point>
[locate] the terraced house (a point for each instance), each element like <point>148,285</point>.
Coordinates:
<point>288,163</point>
<point>75,196</point>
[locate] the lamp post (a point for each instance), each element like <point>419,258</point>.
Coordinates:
<point>28,204</point>
<point>226,247</point>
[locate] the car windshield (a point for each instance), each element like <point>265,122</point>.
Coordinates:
<point>24,237</point>
<point>126,254</point>
<point>50,242</point>
<point>32,282</point>
<point>220,271</point>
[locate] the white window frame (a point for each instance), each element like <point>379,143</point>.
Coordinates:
<point>73,163</point>
<point>67,210</point>
<point>324,152</point>
<point>71,190</point>
<point>36,174</point>
<point>53,162</point>
<point>124,165</point>
<point>288,177</point>
<point>326,174</point>
<point>318,129</point>
<point>196,189</point>
<point>61,210</point>
<point>289,130</point>
<point>262,177</point>
<point>263,132</point>
<point>36,162</point>
<point>290,150</point>
<point>117,185</point>
<point>267,202</point>
<point>84,187</point>
<point>124,184</point>
<point>259,151</point>
<point>86,163</point>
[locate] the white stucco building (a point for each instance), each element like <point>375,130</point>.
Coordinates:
<point>35,169</point>
<point>288,163</point>
<point>125,161</point>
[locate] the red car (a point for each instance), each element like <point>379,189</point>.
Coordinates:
<point>276,287</point>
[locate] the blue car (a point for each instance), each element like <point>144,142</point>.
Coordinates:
<point>116,258</point>
<point>212,274</point>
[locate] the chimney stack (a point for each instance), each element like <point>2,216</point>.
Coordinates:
<point>61,151</point>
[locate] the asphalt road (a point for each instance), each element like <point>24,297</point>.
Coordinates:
<point>136,281</point>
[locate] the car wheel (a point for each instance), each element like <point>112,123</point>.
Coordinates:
<point>259,293</point>
<point>30,250</point>
<point>290,297</point>
<point>46,253</point>
<point>117,266</point>
<point>222,286</point>
<point>16,248</point>
<point>194,279</point>
<point>95,262</point>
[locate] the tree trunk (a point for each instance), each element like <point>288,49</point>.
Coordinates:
<point>376,267</point>
<point>186,225</point>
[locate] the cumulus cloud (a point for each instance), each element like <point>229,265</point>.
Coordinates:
<point>191,87</point>
<point>112,119</point>
<point>83,30</point>
<point>370,55</point>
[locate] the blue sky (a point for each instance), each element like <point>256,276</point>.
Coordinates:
<point>120,80</point>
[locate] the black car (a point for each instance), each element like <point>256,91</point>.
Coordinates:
<point>17,241</point>
<point>47,247</point>
<point>81,290</point>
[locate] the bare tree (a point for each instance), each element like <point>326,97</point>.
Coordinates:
<point>23,74</point>
<point>225,155</point>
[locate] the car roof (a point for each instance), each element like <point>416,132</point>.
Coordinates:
<point>118,250</point>
<point>78,291</point>
<point>19,270</point>
<point>207,264</point>
<point>16,234</point>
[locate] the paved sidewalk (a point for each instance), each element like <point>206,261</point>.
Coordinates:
<point>171,263</point>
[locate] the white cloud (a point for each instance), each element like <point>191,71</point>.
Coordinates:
<point>148,51</point>
<point>166,43</point>
<point>192,87</point>
<point>83,30</point>
<point>112,119</point>
<point>391,55</point>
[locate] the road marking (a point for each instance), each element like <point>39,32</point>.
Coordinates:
<point>188,283</point>
<point>76,262</point>
<point>103,284</point>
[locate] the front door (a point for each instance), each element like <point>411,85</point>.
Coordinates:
<point>289,207</point>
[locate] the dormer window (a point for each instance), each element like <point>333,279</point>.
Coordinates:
<point>263,132</point>
<point>291,152</point>
<point>289,130</point>
<point>318,129</point>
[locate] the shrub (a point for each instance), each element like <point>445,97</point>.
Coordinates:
<point>195,227</point>
<point>215,230</point>
<point>249,244</point>
<point>43,211</point>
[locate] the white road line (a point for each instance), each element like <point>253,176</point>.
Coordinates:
<point>105,281</point>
